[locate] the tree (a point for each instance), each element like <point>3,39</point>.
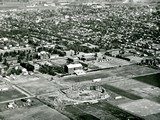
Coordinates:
<point>19,60</point>
<point>5,62</point>
<point>1,58</point>
<point>6,54</point>
<point>95,55</point>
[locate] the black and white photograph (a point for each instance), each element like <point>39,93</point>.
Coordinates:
<point>79,59</point>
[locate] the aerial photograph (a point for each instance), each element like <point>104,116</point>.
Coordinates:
<point>79,59</point>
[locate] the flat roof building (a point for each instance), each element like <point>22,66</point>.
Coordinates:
<point>71,68</point>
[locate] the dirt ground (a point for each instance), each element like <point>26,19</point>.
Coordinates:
<point>110,62</point>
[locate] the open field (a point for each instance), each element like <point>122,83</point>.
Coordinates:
<point>102,111</point>
<point>36,84</point>
<point>134,88</point>
<point>125,71</point>
<point>86,77</point>
<point>110,62</point>
<point>10,95</point>
<point>19,103</point>
<point>122,92</point>
<point>79,114</point>
<point>150,79</point>
<point>132,70</point>
<point>152,117</point>
<point>41,112</point>
<point>39,85</point>
<point>141,107</point>
<point>127,84</point>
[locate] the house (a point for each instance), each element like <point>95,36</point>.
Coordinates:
<point>24,71</point>
<point>71,68</point>
<point>11,105</point>
<point>2,69</point>
<point>3,47</point>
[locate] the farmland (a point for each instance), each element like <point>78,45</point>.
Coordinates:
<point>102,110</point>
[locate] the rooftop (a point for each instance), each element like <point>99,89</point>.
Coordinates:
<point>74,65</point>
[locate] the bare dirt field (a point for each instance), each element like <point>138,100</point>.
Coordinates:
<point>110,62</point>
<point>141,107</point>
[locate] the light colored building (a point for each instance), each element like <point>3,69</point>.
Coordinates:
<point>43,55</point>
<point>89,45</point>
<point>113,52</point>
<point>4,87</point>
<point>3,47</point>
<point>71,68</point>
<point>54,56</point>
<point>88,56</point>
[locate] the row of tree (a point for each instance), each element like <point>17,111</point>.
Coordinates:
<point>51,70</point>
<point>61,52</point>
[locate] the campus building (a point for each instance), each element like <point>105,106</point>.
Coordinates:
<point>71,68</point>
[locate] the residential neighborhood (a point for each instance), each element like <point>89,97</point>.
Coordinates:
<point>79,60</point>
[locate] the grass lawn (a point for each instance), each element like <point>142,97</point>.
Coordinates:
<point>10,94</point>
<point>41,112</point>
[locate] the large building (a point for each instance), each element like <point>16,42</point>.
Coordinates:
<point>71,68</point>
